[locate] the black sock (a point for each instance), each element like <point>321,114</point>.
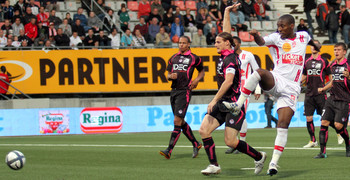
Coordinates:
<point>323,138</point>
<point>174,137</point>
<point>187,131</point>
<point>345,135</point>
<point>209,147</point>
<point>245,148</point>
<point>311,129</point>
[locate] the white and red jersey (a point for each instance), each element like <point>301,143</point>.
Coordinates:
<point>248,63</point>
<point>288,54</point>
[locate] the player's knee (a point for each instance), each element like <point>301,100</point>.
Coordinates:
<point>282,124</point>
<point>231,142</point>
<point>338,126</point>
<point>325,123</point>
<point>309,118</point>
<point>203,132</point>
<point>178,121</point>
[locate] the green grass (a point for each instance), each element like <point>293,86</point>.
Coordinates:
<point>63,162</point>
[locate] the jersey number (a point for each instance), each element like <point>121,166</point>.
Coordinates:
<point>302,38</point>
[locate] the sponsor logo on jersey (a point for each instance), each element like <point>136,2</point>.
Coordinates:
<point>180,111</point>
<point>186,61</point>
<point>101,120</point>
<point>292,59</point>
<point>338,75</point>
<point>311,72</point>
<point>180,67</point>
<point>286,47</point>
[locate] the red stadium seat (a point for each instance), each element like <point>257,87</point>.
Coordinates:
<point>180,4</point>
<point>133,5</point>
<point>37,3</point>
<point>245,37</point>
<point>347,2</point>
<point>191,5</point>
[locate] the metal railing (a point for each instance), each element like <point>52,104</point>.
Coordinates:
<point>14,93</point>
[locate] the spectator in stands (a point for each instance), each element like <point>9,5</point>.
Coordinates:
<point>8,10</point>
<point>162,38</point>
<point>70,20</point>
<point>223,5</point>
<point>209,25</point>
<point>179,15</point>
<point>52,32</point>
<point>308,6</point>
<point>220,26</point>
<point>48,46</point>
<point>75,41</point>
<point>167,4</point>
<point>177,30</point>
<point>34,7</point>
<point>6,27</point>
<point>23,37</point>
<point>143,27</point>
<point>31,29</point>
<point>201,4</point>
<point>9,45</point>
<point>345,23</point>
<point>43,35</point>
<point>85,4</point>
<point>153,29</point>
<point>91,40</point>
<point>15,42</point>
<point>51,5</point>
<point>17,26</point>
<point>109,21</point>
<point>214,11</point>
<point>332,24</point>
<point>3,39</point>
<point>62,40</point>
<point>201,18</point>
<point>154,14</point>
<point>120,10</point>
<point>17,15</point>
<point>42,17</point>
<point>77,27</point>
<point>168,19</point>
<point>115,39</point>
<point>29,15</point>
<point>303,27</point>
<point>322,11</point>
<point>248,10</point>
<point>82,17</point>
<point>24,45</point>
<point>103,40</point>
<point>260,10</point>
<point>190,23</point>
<point>99,11</point>
<point>157,5</point>
<point>139,40</point>
<point>4,85</point>
<point>144,9</point>
<point>211,36</point>
<point>199,39</point>
<point>94,22</point>
<point>54,19</point>
<point>237,20</point>
<point>67,29</point>
<point>124,19</point>
<point>21,6</point>
<point>126,40</point>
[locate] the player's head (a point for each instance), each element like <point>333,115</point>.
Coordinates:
<point>317,43</point>
<point>285,26</point>
<point>3,69</point>
<point>340,50</point>
<point>223,41</point>
<point>237,41</point>
<point>184,44</point>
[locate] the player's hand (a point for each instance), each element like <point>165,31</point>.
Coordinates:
<point>173,76</point>
<point>257,96</point>
<point>346,73</point>
<point>210,106</point>
<point>229,8</point>
<point>254,32</point>
<point>194,84</point>
<point>320,90</point>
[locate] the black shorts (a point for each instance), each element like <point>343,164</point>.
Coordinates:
<point>337,111</point>
<point>223,115</point>
<point>313,103</point>
<point>180,99</point>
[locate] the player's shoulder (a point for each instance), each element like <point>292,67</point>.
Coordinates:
<point>298,33</point>
<point>246,52</point>
<point>274,35</point>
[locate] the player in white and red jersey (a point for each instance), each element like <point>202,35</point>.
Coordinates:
<point>283,82</point>
<point>248,65</point>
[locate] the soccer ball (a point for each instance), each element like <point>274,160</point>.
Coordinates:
<point>15,160</point>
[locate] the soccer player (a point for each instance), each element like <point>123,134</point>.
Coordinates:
<point>315,70</point>
<point>337,105</point>
<point>248,63</point>
<point>180,70</point>
<point>283,82</point>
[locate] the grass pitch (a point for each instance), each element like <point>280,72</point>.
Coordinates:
<point>136,156</point>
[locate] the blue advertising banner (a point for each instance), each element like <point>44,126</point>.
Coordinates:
<point>124,119</point>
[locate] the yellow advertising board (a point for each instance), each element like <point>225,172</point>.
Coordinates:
<point>92,71</point>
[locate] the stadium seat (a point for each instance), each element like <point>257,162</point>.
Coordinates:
<point>118,4</point>
<point>71,5</point>
<point>268,25</point>
<point>347,2</point>
<point>133,16</point>
<point>37,3</point>
<point>248,24</point>
<point>188,34</point>
<point>270,14</point>
<point>180,4</point>
<point>61,4</point>
<point>111,4</point>
<point>277,14</point>
<point>245,36</point>
<point>191,5</point>
<point>256,25</point>
<point>133,5</point>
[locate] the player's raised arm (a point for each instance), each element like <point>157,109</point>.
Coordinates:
<point>226,21</point>
<point>257,38</point>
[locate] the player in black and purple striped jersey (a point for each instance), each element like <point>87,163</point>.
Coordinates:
<point>336,108</point>
<point>228,75</point>
<point>180,70</point>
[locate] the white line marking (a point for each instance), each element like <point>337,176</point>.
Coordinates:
<point>247,168</point>
<point>149,146</point>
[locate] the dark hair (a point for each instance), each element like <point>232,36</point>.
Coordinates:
<point>342,45</point>
<point>237,38</point>
<point>318,42</point>
<point>186,37</point>
<point>289,18</point>
<point>227,37</point>
<point>3,69</point>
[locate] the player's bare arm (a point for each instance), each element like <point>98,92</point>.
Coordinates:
<point>327,86</point>
<point>303,78</point>
<point>172,76</point>
<point>346,73</point>
<point>224,87</point>
<point>257,38</point>
<point>227,23</point>
<point>195,82</point>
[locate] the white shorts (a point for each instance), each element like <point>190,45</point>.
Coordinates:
<point>285,91</point>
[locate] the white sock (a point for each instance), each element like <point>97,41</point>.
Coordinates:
<point>280,143</point>
<point>251,83</point>
<point>243,131</point>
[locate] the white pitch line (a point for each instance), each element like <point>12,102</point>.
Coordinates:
<point>147,146</point>
<point>247,168</point>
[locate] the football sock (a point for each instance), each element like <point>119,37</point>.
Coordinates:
<point>323,138</point>
<point>243,132</point>
<point>186,129</point>
<point>245,148</point>
<point>345,135</point>
<point>209,147</point>
<point>249,86</point>
<point>174,137</point>
<point>311,129</point>
<point>280,143</point>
